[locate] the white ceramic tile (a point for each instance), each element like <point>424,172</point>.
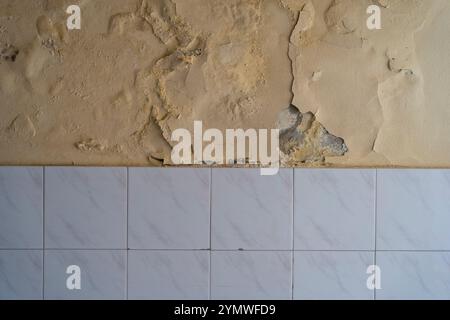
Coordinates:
<point>251,275</point>
<point>21,216</point>
<point>169,208</point>
<point>20,275</point>
<point>334,209</point>
<point>414,275</point>
<point>250,211</point>
<point>85,208</point>
<point>171,275</point>
<point>102,274</point>
<point>328,275</point>
<point>413,210</point>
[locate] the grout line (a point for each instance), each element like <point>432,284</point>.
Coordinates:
<point>376,208</point>
<point>210,232</point>
<point>97,249</point>
<point>216,250</point>
<point>21,249</point>
<point>375,226</point>
<point>414,251</point>
<point>127,247</point>
<point>222,250</point>
<point>293,234</point>
<point>292,274</point>
<point>43,232</point>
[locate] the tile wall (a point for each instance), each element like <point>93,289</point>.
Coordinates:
<point>138,233</point>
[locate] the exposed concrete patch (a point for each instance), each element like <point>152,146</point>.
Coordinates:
<point>304,140</point>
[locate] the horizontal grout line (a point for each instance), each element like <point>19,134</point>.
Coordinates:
<point>288,250</point>
<point>65,249</point>
<point>21,249</point>
<point>212,250</point>
<point>412,250</point>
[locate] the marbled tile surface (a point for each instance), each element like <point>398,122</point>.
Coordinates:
<point>169,209</point>
<point>169,275</point>
<point>334,209</point>
<point>251,275</point>
<point>250,211</point>
<point>85,208</point>
<point>330,275</point>
<point>103,274</point>
<point>21,274</point>
<point>413,210</point>
<point>21,213</point>
<point>414,275</point>
<point>308,235</point>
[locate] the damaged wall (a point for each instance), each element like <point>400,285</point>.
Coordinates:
<point>113,92</point>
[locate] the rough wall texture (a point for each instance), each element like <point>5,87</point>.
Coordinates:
<point>113,92</point>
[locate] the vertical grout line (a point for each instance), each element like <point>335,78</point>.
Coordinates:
<point>43,233</point>
<point>127,247</point>
<point>210,231</point>
<point>293,233</point>
<point>375,227</point>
